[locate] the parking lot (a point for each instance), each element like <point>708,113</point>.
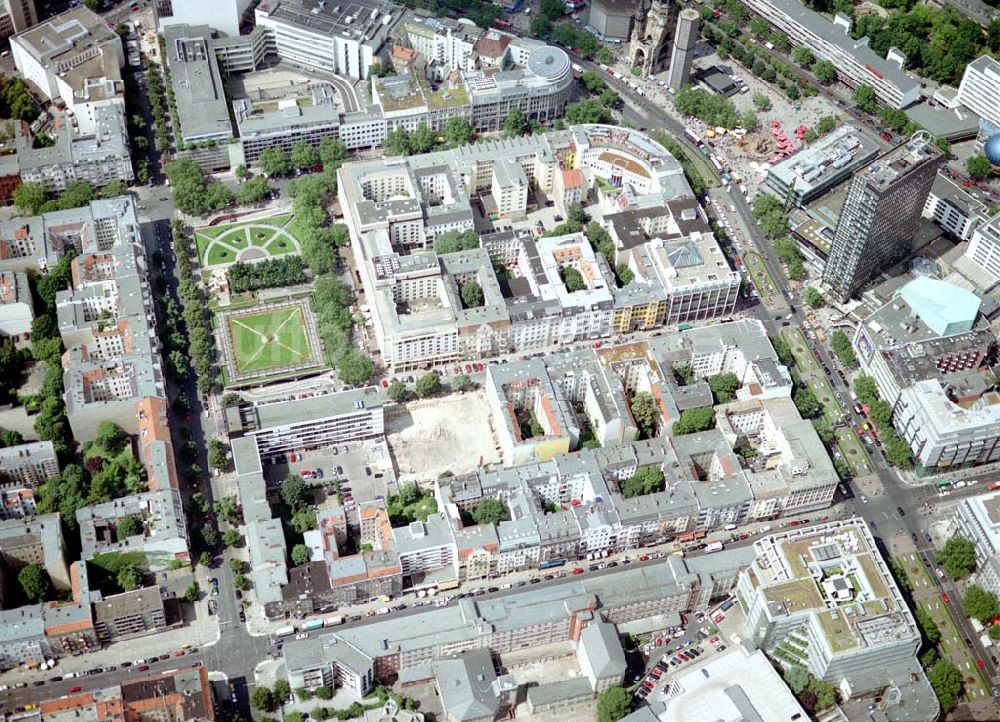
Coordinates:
<point>704,634</point>
<point>359,466</point>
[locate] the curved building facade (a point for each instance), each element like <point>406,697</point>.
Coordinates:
<point>541,89</point>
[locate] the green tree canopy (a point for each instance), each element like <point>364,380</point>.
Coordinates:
<point>646,413</point>
<point>724,387</point>
<point>587,110</point>
<point>947,683</point>
<point>397,391</point>
<point>354,368</point>
<point>515,124</point>
<point>304,156</point>
<point>841,346</point>
<point>980,604</point>
<point>613,704</point>
<point>573,279</point>
<point>262,699</point>
<point>978,166</point>
<point>129,577</point>
<point>645,480</point>
<point>428,384</point>
<point>472,294</point>
<point>217,454</point>
<point>866,389</point>
<point>111,437</point>
<point>958,557</point>
<point>694,420</point>
<point>300,554</point>
<point>814,298</point>
<point>490,511</point>
<point>807,403</point>
<point>825,72</point>
<point>295,492</point>
<point>35,583</point>
<point>332,152</point>
<point>452,241</point>
<point>423,139</point>
<point>457,131</point>
<point>30,197</point>
<point>397,142</point>
<point>925,620</point>
<point>275,161</point>
<point>128,526</point>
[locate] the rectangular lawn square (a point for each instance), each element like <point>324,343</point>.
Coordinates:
<point>272,339</point>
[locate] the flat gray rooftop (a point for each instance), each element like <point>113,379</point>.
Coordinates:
<point>198,91</point>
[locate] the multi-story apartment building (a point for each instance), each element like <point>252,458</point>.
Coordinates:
<point>984,250</point>
<point>334,578</point>
<point>17,502</point>
<point>426,546</point>
<point>38,242</point>
<point>28,464</point>
<point>928,356</point>
<point>979,90</point>
<point>445,44</point>
<point>99,157</point>
<point>883,207</point>
<point>684,275</point>
<point>113,361</point>
<point>130,614</point>
<point>268,121</point>
<point>33,540</point>
<point>330,661</point>
<point>283,426</point>
<point>163,537</point>
<point>185,693</point>
<point>264,534</point>
<point>16,307</point>
<point>977,518</point>
<point>856,63</point>
<point>73,57</point>
<point>823,597</point>
<point>954,209</point>
<point>523,620</point>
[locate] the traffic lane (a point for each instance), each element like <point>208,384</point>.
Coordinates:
<point>662,120</point>
<point>566,575</point>
<point>16,697</point>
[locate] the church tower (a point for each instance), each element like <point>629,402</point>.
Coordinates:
<point>651,39</point>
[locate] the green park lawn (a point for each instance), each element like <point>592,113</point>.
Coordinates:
<point>269,339</point>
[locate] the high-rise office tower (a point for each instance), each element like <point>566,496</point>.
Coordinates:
<point>16,16</point>
<point>880,214</point>
<point>685,39</point>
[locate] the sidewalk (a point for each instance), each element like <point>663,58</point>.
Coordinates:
<point>199,629</point>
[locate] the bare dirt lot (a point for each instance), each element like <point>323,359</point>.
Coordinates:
<point>430,437</point>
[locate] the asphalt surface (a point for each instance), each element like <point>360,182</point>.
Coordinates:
<point>883,511</point>
<point>236,653</point>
